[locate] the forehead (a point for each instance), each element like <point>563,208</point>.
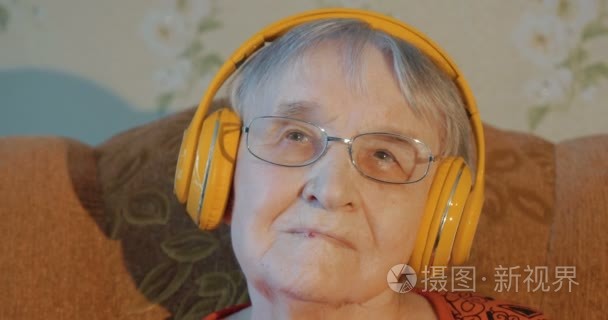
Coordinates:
<point>355,92</point>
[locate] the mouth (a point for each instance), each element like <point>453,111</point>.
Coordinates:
<point>309,233</point>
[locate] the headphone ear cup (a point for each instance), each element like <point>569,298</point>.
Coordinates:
<point>445,204</point>
<point>185,162</point>
<point>213,168</point>
<point>427,217</point>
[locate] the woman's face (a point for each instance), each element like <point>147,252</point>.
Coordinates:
<point>324,232</point>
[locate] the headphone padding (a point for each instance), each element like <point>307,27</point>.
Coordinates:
<point>213,168</point>
<point>185,162</point>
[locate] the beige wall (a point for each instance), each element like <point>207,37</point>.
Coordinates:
<point>511,51</point>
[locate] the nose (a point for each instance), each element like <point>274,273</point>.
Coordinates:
<point>330,181</point>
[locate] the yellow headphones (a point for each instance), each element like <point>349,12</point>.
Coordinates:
<point>207,156</point>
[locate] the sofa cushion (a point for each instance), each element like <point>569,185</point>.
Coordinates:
<point>578,235</point>
<point>57,263</point>
<point>174,264</point>
<point>515,224</point>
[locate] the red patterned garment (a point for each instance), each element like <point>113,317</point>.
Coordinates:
<point>472,306</point>
<point>449,306</point>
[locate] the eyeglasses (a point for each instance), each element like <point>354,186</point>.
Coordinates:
<point>384,157</point>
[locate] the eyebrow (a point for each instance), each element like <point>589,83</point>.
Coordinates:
<point>296,108</point>
<point>303,108</point>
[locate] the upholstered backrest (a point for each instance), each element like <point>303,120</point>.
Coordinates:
<point>96,233</point>
<point>173,263</point>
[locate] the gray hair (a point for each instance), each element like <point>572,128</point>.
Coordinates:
<point>428,90</point>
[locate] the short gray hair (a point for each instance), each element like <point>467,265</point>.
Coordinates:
<point>428,90</point>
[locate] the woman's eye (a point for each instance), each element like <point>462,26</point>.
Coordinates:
<point>384,156</point>
<point>296,136</point>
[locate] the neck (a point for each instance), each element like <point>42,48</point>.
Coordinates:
<point>280,304</point>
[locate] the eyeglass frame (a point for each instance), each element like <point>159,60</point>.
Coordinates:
<point>349,142</point>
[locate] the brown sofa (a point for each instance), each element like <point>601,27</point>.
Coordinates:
<point>96,233</point>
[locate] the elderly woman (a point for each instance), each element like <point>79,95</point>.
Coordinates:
<point>344,129</point>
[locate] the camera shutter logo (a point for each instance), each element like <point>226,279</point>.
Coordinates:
<point>401,278</point>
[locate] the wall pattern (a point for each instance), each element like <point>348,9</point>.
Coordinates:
<point>537,66</point>
<point>175,30</point>
<point>558,40</point>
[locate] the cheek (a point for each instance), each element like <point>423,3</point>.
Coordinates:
<point>262,191</point>
<point>401,211</point>
<point>251,184</point>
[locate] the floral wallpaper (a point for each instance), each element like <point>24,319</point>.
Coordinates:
<point>175,30</point>
<point>538,66</point>
<point>557,38</point>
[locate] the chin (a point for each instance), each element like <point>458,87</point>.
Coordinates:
<point>302,279</point>
<point>315,291</point>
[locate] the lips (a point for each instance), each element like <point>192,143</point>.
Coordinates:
<point>315,233</point>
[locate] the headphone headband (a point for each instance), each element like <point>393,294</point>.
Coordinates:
<point>376,21</point>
